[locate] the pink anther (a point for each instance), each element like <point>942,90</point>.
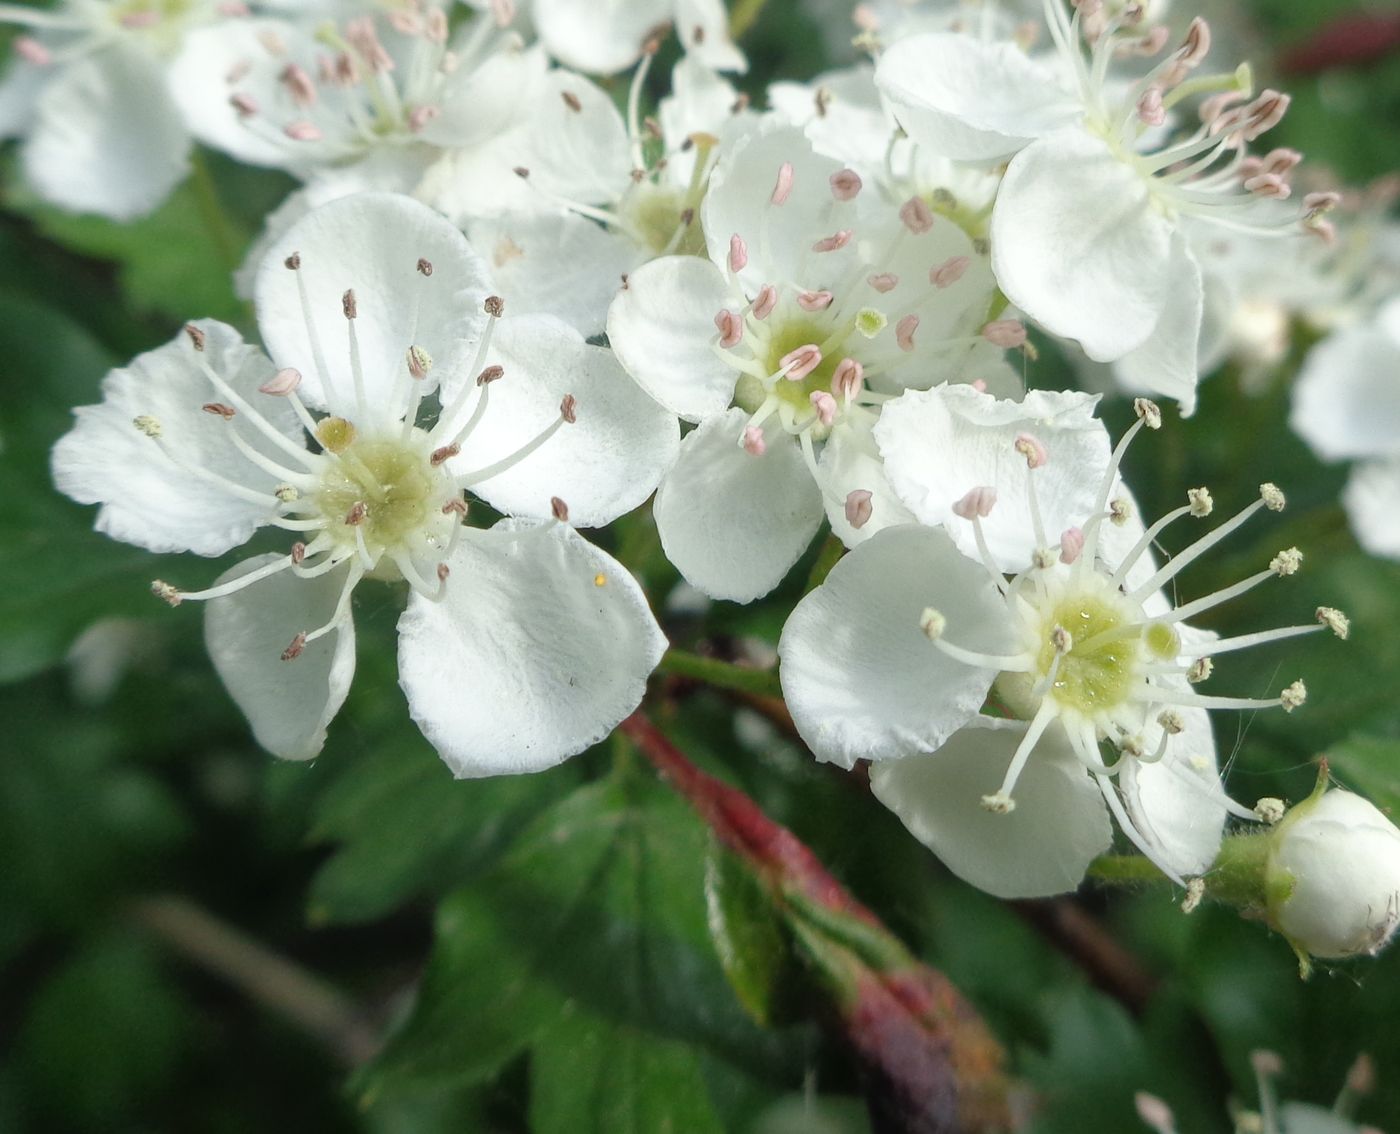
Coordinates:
<point>814,300</point>
<point>800,362</point>
<point>883,282</point>
<point>845,184</point>
<point>1032,448</point>
<point>738,253</point>
<point>833,242</point>
<point>978,502</point>
<point>765,301</point>
<point>824,405</point>
<point>1071,545</point>
<point>754,444</point>
<point>782,188</point>
<point>1005,333</point>
<point>858,507</point>
<point>847,379</point>
<point>731,328</point>
<point>904,332</point>
<point>949,272</point>
<point>916,215</point>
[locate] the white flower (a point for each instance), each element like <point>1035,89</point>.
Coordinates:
<point>816,304</point>
<point>1333,876</point>
<point>1346,405</point>
<point>522,644</point>
<point>1086,233</point>
<point>892,658</point>
<point>89,91</point>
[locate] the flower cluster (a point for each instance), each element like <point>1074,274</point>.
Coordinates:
<point>500,280</point>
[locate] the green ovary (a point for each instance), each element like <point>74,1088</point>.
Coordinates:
<point>395,482</point>
<point>1101,677</point>
<point>787,337</point>
<point>655,213</point>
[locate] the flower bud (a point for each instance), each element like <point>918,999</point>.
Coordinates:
<point>1333,876</point>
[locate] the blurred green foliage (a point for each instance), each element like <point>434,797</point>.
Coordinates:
<point>540,950</point>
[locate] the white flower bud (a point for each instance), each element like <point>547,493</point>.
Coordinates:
<point>1333,877</point>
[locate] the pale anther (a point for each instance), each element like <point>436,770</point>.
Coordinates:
<point>286,493</point>
<point>932,623</point>
<point>845,184</point>
<point>1273,499</point>
<point>165,592</point>
<point>1061,640</point>
<point>282,383</point>
<point>1269,810</point>
<point>1032,448</point>
<point>977,502</point>
<point>1200,502</point>
<point>1149,411</point>
<point>1334,620</point>
<point>782,189</point>
<point>1120,511</point>
<point>738,253</point>
<point>1171,722</point>
<point>1286,562</point>
<point>419,362</point>
<point>1295,695</point>
<point>1071,545</point>
<point>1200,670</point>
<point>147,424</point>
<point>1195,891</point>
<point>999,804</point>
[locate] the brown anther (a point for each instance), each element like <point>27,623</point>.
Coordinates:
<point>625,284</point>
<point>348,304</point>
<point>822,101</point>
<point>489,375</point>
<point>298,553</point>
<point>457,505</point>
<point>446,453</point>
<point>571,100</point>
<point>651,128</point>
<point>220,410</point>
<point>687,216</point>
<point>292,262</point>
<point>495,306</point>
<point>443,570</point>
<point>656,35</point>
<point>638,176</point>
<point>294,648</point>
<point>425,267</point>
<point>196,336</point>
<point>740,104</point>
<point>688,144</point>
<point>560,509</point>
<point>358,511</point>
<point>521,172</point>
<point>568,409</point>
<point>697,34</point>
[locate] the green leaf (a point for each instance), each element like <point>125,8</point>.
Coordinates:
<point>457,828</point>
<point>103,1035</point>
<point>752,946</point>
<point>589,1075</point>
<point>598,908</point>
<point>1369,765</point>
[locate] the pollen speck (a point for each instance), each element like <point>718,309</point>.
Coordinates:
<point>600,580</point>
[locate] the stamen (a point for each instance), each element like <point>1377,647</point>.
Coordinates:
<point>858,508</point>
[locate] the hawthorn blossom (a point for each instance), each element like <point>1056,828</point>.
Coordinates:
<point>986,704</point>
<point>90,94</point>
<point>1087,234</point>
<point>815,305</point>
<point>1346,405</point>
<point>520,644</point>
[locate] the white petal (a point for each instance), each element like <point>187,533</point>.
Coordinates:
<point>848,122</point>
<point>1079,246</point>
<point>703,29</point>
<point>661,326</point>
<point>480,181</point>
<point>289,704</point>
<point>583,155</point>
<point>199,82</point>
<point>732,523</point>
<point>779,237</point>
<point>147,498</point>
<point>1346,402</point>
<point>483,101</point>
<point>19,92</point>
<point>106,137</point>
<point>851,462</point>
<point>968,100</point>
<point>372,243</point>
<point>700,100</point>
<point>1178,803</point>
<point>540,646</point>
<point>1166,364</point>
<point>1372,499</point>
<point>605,464</point>
<point>558,264</point>
<point>1043,847</point>
<point>598,36</point>
<point>860,677</point>
<point>939,444</point>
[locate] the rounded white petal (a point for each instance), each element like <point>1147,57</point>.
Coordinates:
<point>1059,826</point>
<point>1079,246</point>
<point>1166,365</point>
<point>584,154</point>
<point>732,523</point>
<point>661,327</point>
<point>147,497</point>
<point>1178,803</point>
<point>940,444</point>
<point>741,188</point>
<point>851,462</point>
<point>289,704</point>
<point>703,28</point>
<point>1346,402</point>
<point>968,100</point>
<point>1372,500</point>
<point>860,677</point>
<point>847,122</point>
<point>106,136</point>
<point>558,264</point>
<point>202,90</point>
<point>598,36</point>
<point>604,464</point>
<point>372,243</point>
<point>540,645</point>
<point>483,101</point>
